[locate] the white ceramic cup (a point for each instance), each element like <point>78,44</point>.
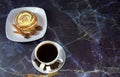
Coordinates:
<point>53,65</point>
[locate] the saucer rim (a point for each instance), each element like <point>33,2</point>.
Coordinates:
<point>46,72</point>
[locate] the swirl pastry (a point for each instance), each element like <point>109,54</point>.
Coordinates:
<point>26,22</point>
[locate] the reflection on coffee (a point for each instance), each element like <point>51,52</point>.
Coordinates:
<point>47,53</point>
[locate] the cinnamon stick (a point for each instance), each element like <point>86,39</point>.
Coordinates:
<point>26,35</point>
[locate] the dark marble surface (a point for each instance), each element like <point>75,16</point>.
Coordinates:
<point>89,31</point>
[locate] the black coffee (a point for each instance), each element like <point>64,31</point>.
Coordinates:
<point>47,53</point>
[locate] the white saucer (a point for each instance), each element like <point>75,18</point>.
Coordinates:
<point>42,21</point>
<point>40,69</point>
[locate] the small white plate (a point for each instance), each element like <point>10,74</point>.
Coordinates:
<point>42,21</point>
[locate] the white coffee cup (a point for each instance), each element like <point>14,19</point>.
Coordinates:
<point>48,57</point>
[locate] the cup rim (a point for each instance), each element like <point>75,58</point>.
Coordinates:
<point>42,43</point>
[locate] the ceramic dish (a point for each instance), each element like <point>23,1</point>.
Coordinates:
<point>47,67</point>
<point>42,21</point>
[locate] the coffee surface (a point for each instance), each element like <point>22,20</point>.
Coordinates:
<point>47,53</point>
